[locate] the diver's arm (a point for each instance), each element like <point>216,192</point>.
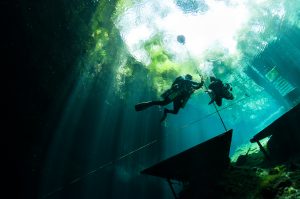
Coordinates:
<point>197,85</point>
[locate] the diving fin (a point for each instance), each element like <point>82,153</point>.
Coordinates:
<point>142,106</point>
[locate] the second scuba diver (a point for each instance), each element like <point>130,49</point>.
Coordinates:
<point>218,90</point>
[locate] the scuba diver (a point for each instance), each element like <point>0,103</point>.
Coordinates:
<point>217,90</point>
<point>179,93</point>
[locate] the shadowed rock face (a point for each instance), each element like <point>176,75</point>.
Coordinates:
<point>48,39</point>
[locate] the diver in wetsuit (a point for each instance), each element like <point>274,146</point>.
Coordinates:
<point>179,93</point>
<point>218,90</point>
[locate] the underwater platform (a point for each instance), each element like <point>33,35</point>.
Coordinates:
<point>197,165</point>
<point>284,133</point>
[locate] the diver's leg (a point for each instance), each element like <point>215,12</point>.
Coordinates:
<point>162,102</point>
<point>176,107</point>
<point>219,101</point>
<point>144,105</point>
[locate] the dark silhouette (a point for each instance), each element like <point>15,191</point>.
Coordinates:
<point>217,90</point>
<point>179,93</point>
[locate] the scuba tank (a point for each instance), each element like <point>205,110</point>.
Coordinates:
<point>175,90</point>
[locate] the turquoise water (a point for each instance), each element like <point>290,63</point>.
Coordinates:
<point>130,54</point>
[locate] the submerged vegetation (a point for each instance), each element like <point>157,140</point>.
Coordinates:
<point>124,30</point>
<point>252,176</point>
<point>277,182</point>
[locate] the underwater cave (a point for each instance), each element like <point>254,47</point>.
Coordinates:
<point>83,65</point>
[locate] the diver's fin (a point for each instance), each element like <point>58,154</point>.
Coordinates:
<point>142,106</point>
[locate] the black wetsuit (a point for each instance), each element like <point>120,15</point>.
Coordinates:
<point>220,91</point>
<point>179,94</point>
